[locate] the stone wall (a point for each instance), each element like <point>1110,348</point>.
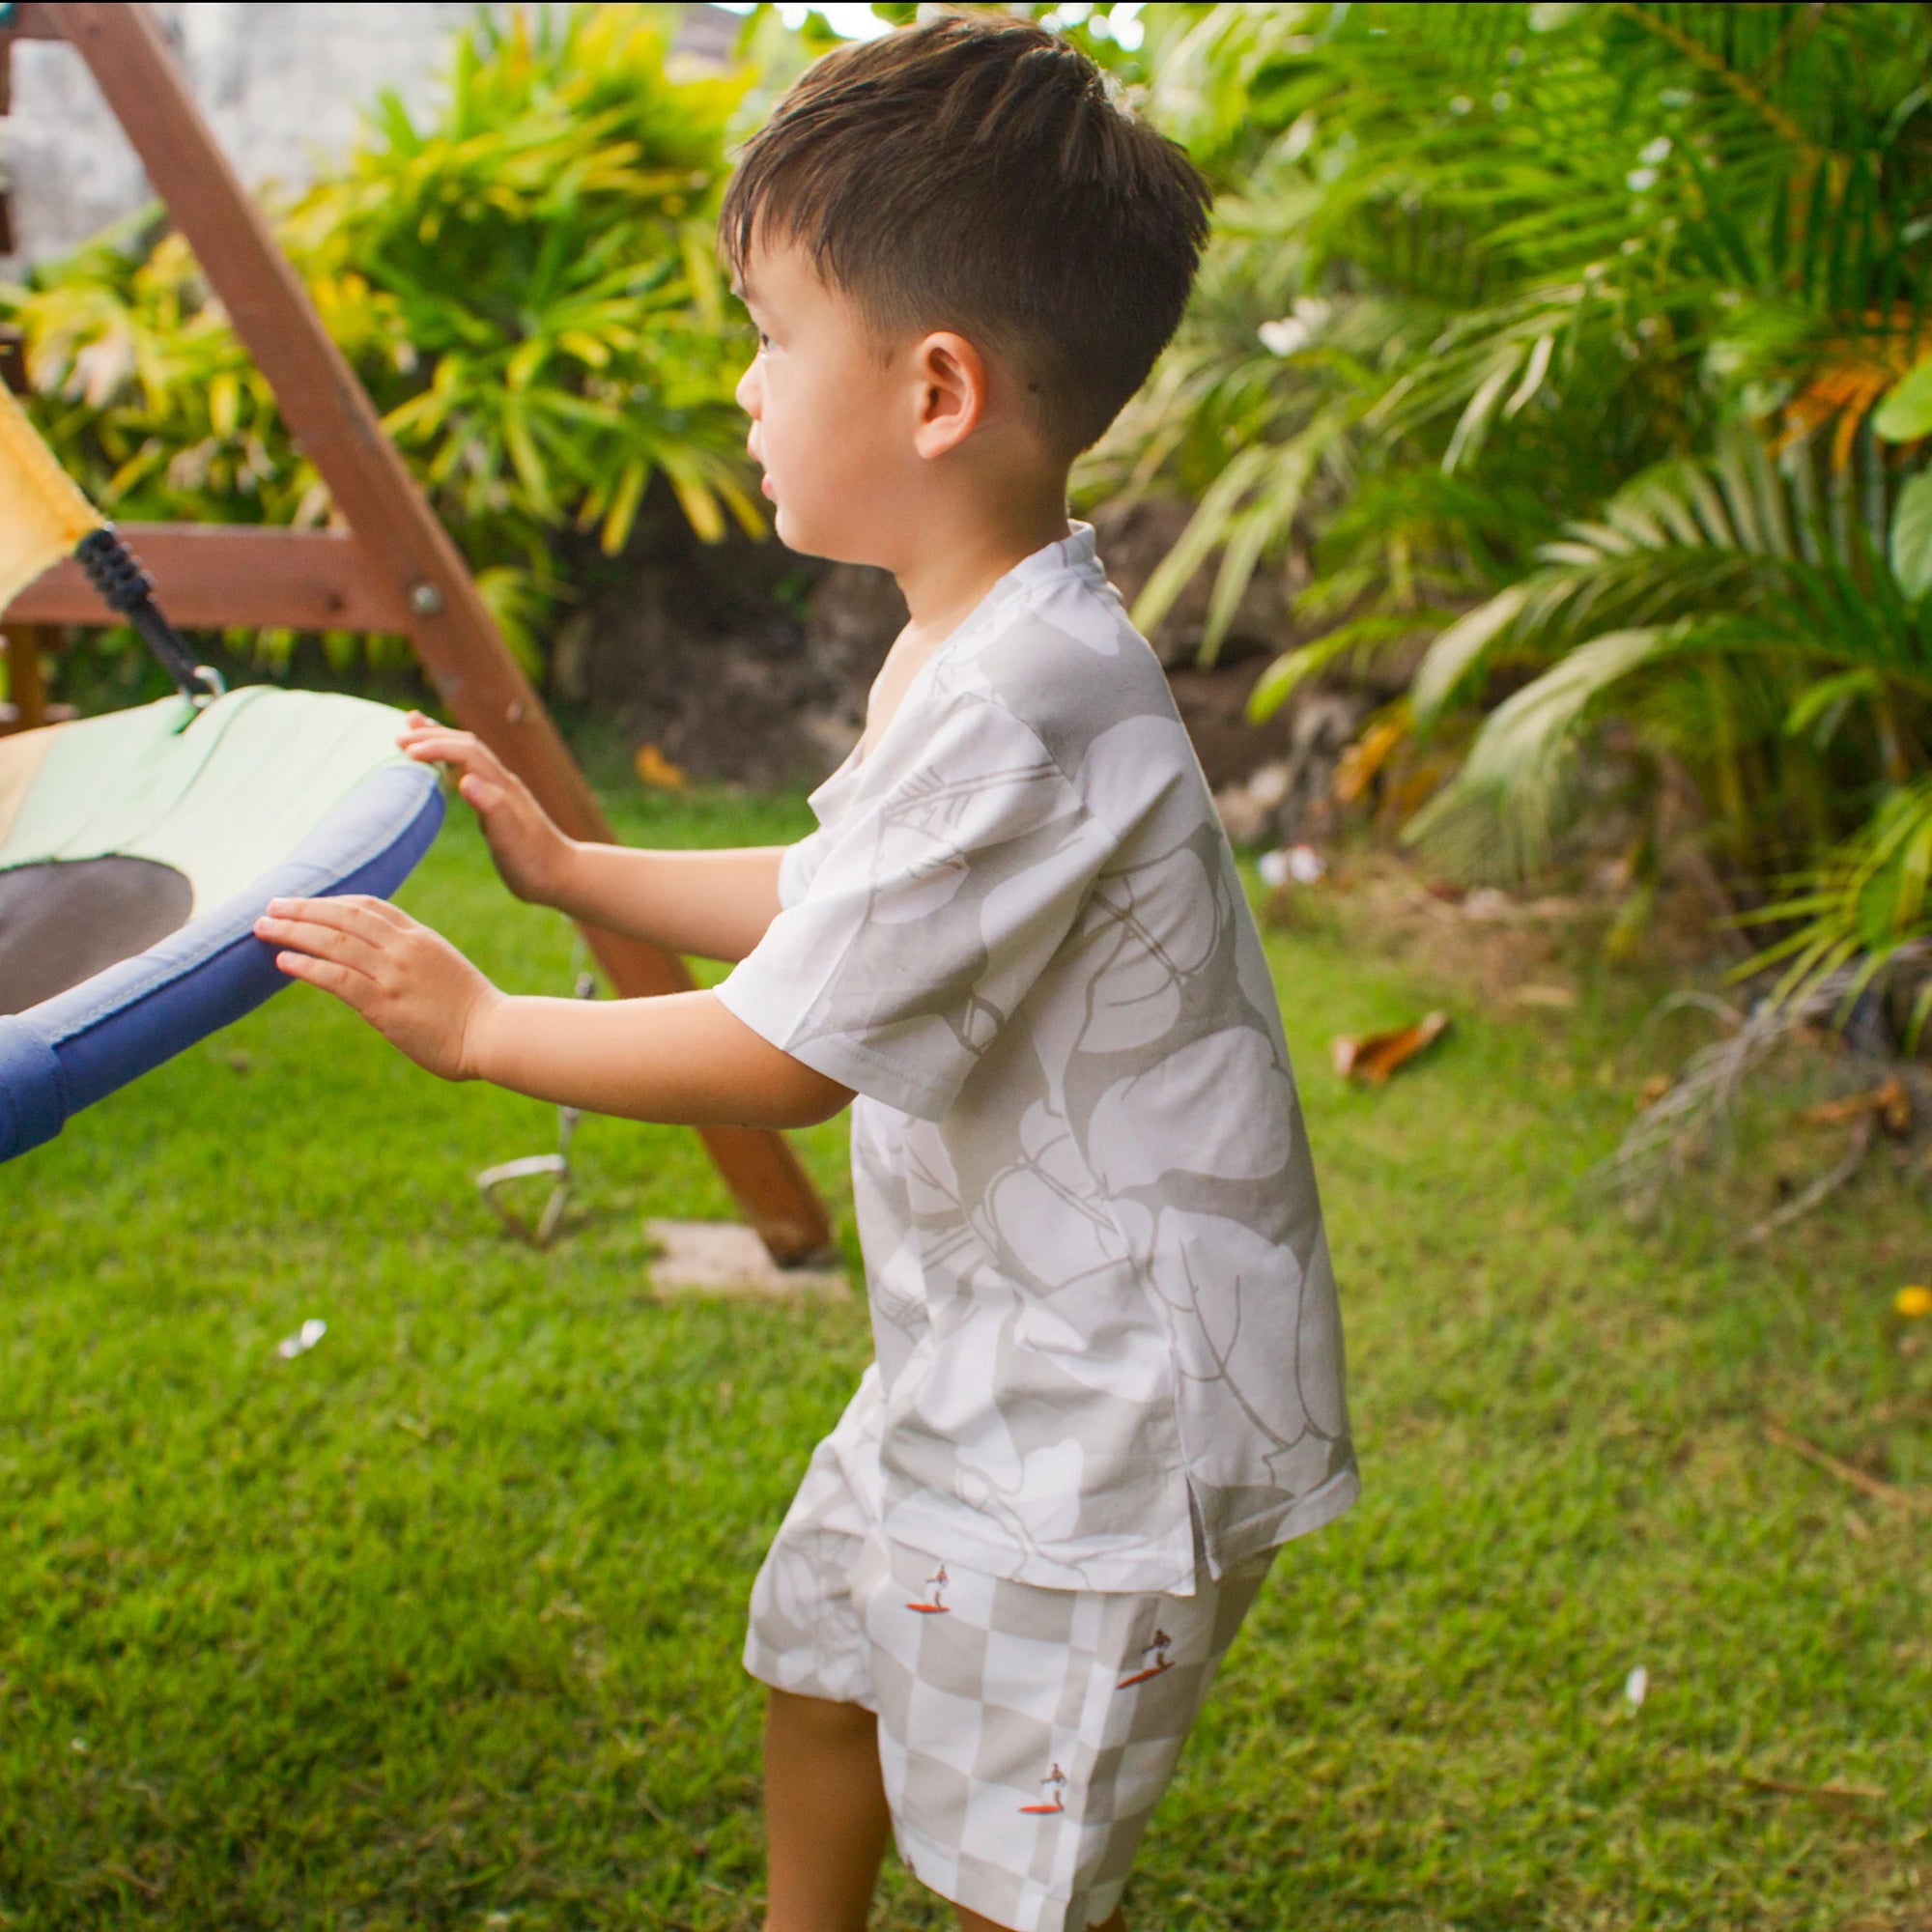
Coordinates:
<point>281,84</point>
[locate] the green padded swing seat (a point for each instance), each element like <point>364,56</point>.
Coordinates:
<point>138,849</point>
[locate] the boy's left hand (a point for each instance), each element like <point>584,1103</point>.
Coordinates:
<point>409,983</point>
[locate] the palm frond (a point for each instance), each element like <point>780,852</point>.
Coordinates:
<point>1864,904</point>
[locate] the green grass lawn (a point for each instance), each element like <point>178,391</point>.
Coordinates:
<point>438,1623</point>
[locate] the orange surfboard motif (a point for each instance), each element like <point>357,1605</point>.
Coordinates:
<point>935,1605</point>
<point>1157,1650</point>
<point>1054,1785</point>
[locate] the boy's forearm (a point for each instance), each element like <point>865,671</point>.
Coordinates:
<point>714,904</point>
<point>684,1059</point>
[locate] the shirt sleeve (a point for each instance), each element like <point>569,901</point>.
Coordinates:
<point>798,866</point>
<point>928,911</point>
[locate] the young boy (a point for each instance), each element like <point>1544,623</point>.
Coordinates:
<point>1109,1375</point>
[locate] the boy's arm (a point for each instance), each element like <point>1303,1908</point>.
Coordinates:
<point>684,1059</point>
<point>714,904</point>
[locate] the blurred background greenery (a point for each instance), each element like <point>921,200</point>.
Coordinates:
<point>1565,369</point>
<point>1542,466</point>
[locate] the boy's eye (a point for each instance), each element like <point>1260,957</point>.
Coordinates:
<point>764,340</point>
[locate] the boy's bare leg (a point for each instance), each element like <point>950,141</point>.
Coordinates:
<point>826,1821</point>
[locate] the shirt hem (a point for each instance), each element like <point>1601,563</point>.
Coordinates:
<point>1256,1535</point>
<point>952,1536</point>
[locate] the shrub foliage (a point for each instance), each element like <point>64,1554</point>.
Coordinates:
<point>1593,341</point>
<point>523,280</point>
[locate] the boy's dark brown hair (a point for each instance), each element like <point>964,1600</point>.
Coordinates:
<point>976,173</point>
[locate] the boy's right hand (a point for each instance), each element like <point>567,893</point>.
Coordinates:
<point>530,852</point>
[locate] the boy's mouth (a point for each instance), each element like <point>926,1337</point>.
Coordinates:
<point>765,485</point>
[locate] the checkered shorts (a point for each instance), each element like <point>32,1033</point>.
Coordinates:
<point>1025,1734</point>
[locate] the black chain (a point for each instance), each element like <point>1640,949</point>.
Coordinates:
<point>116,573</point>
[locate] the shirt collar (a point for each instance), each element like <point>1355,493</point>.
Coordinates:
<point>1073,555</point>
<point>1073,558</point>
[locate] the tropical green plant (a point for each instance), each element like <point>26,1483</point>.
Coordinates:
<point>524,280</point>
<point>1754,629</point>
<point>1592,339</point>
<point>1863,908</point>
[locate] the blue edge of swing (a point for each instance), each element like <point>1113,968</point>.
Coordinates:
<point>68,1052</point>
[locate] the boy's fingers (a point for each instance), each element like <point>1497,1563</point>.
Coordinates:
<point>319,912</point>
<point>355,929</point>
<point>440,748</point>
<point>372,913</point>
<point>480,793</point>
<point>359,912</point>
<point>351,987</point>
<point>429,731</point>
<point>444,746</point>
<point>349,910</point>
<point>326,941</point>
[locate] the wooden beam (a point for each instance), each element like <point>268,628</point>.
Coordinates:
<point>26,689</point>
<point>211,577</point>
<point>407,553</point>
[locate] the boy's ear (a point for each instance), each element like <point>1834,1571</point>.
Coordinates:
<point>952,389</point>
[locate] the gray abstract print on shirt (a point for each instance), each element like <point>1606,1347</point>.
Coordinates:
<point>1101,1292</point>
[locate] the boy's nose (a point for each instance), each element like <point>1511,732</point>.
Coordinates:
<point>750,393</point>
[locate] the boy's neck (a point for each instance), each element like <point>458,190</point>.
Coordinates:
<point>944,576</point>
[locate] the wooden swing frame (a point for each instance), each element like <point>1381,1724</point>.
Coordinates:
<point>393,569</point>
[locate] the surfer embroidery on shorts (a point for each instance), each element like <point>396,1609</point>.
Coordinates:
<point>935,1605</point>
<point>1157,1650</point>
<point>1054,1784</point>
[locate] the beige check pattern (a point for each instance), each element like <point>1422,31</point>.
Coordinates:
<point>1025,1734</point>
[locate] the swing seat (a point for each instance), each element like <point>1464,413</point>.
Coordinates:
<point>136,852</point>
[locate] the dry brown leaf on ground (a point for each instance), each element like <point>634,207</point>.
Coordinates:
<point>1374,1057</point>
<point>1356,769</point>
<point>656,770</point>
<point>1890,1103</point>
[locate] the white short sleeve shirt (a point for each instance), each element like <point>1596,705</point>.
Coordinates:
<point>1102,1299</point>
